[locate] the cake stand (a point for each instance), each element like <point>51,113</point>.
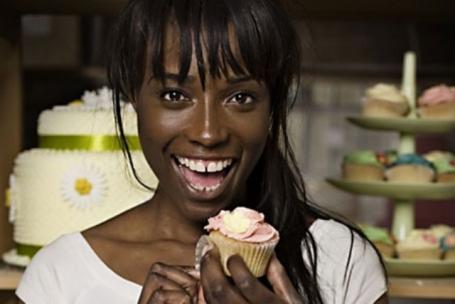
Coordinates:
<point>404,194</point>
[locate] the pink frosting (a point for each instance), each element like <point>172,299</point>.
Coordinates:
<point>257,231</point>
<point>436,95</point>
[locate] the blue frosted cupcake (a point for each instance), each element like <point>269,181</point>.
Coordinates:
<point>410,168</point>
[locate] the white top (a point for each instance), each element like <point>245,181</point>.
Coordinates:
<point>69,271</point>
<point>360,281</point>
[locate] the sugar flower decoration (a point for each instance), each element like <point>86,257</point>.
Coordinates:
<point>83,186</point>
<point>100,99</point>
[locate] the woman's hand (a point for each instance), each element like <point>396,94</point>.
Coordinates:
<point>169,284</point>
<point>246,288</point>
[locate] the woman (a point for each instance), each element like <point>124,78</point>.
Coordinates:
<point>211,81</point>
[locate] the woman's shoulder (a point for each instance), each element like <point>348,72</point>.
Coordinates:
<point>340,245</point>
<point>348,266</point>
<point>50,265</point>
<point>59,250</point>
<point>329,232</point>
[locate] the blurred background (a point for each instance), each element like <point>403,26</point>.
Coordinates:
<point>52,53</point>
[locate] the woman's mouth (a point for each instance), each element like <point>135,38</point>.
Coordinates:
<point>204,175</point>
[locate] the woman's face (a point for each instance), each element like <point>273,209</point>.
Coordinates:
<point>202,143</point>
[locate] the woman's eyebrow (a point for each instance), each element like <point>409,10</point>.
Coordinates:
<point>235,80</point>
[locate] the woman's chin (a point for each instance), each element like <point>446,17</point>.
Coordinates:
<point>200,212</point>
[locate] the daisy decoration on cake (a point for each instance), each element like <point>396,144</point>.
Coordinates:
<point>84,186</point>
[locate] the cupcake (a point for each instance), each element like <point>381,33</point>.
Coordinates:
<point>381,239</point>
<point>444,164</point>
<point>437,102</point>
<point>385,100</point>
<point>243,232</point>
<point>362,166</point>
<point>410,168</point>
<point>440,231</point>
<point>420,244</point>
<point>448,246</point>
<point>387,157</point>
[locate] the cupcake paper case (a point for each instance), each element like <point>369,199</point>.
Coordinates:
<point>243,232</point>
<point>410,168</point>
<point>420,244</point>
<point>362,165</point>
<point>366,165</point>
<point>448,246</point>
<point>444,163</point>
<point>437,102</point>
<point>385,100</point>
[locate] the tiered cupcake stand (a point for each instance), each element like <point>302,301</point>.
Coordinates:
<point>405,194</point>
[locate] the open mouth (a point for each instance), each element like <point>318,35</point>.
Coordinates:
<point>204,175</point>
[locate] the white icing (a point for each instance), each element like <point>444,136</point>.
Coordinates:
<point>42,214</point>
<point>54,192</point>
<point>100,99</point>
<point>387,92</point>
<point>83,122</point>
<point>13,258</point>
<point>12,199</point>
<point>93,115</point>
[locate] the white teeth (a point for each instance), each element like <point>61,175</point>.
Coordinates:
<point>199,167</point>
<point>207,189</point>
<point>208,166</point>
<point>212,167</point>
<point>198,187</point>
<point>213,188</point>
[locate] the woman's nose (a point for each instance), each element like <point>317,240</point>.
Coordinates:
<point>207,127</point>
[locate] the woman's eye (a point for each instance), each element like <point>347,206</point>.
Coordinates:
<point>174,96</point>
<point>242,98</point>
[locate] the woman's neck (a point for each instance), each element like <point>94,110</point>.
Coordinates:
<point>166,221</point>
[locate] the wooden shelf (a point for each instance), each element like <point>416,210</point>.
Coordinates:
<point>422,288</point>
<point>9,277</point>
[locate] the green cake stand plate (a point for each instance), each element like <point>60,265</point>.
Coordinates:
<point>405,125</point>
<point>420,268</point>
<point>404,191</point>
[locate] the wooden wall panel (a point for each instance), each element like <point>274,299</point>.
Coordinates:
<point>10,113</point>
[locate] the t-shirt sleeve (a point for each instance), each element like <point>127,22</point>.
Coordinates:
<point>39,283</point>
<point>365,277</point>
<point>349,270</point>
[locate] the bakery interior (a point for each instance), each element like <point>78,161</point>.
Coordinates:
<point>52,52</point>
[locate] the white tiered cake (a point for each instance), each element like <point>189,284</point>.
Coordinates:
<point>77,178</point>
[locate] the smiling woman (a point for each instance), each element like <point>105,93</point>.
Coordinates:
<point>201,137</point>
<point>211,83</point>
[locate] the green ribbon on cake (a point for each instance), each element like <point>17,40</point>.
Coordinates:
<point>90,143</point>
<point>27,250</point>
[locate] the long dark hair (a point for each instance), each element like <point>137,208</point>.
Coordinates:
<point>269,52</point>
